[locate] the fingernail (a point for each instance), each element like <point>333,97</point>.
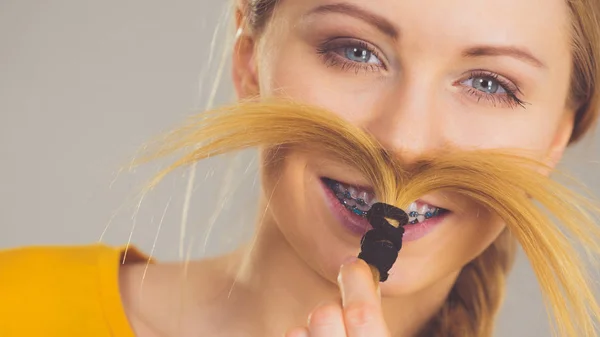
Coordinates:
<point>298,332</point>
<point>347,262</point>
<point>354,282</point>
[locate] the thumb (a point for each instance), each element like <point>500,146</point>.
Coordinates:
<point>359,282</point>
<point>363,315</point>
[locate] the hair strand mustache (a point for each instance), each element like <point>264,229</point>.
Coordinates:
<point>503,181</point>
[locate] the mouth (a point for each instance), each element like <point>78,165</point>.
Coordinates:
<point>355,201</point>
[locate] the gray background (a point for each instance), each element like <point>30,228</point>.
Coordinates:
<point>84,83</point>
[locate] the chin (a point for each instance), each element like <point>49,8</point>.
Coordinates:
<point>406,279</point>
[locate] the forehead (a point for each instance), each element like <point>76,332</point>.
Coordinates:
<point>538,25</point>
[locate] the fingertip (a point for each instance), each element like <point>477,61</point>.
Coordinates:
<point>358,283</point>
<point>327,320</point>
<point>297,332</point>
<point>324,314</point>
<point>353,268</point>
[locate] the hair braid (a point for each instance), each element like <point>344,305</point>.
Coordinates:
<point>477,295</point>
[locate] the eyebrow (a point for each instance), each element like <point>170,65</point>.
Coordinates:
<point>376,20</point>
<point>522,54</point>
<point>388,28</point>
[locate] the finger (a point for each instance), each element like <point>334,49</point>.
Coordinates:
<point>298,332</point>
<point>327,321</point>
<point>363,316</point>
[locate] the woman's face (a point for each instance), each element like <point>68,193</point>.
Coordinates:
<point>418,75</point>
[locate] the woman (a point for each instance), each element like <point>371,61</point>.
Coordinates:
<point>418,76</point>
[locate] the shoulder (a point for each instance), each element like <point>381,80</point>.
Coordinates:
<point>156,297</point>
<point>29,269</point>
<point>25,259</point>
<point>58,289</point>
<point>146,290</point>
<point>174,299</point>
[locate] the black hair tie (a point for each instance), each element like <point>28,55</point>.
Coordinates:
<point>380,245</point>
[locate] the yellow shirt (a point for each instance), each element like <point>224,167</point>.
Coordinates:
<point>63,291</point>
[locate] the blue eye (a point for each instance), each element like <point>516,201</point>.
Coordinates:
<point>486,84</point>
<point>351,54</point>
<point>492,88</point>
<point>360,55</point>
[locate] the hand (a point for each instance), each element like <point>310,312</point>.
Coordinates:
<point>359,314</point>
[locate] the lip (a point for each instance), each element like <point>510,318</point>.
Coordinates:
<point>417,231</point>
<point>354,223</point>
<point>359,225</point>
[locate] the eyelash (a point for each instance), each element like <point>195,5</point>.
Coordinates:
<point>509,98</point>
<point>329,51</point>
<point>332,58</point>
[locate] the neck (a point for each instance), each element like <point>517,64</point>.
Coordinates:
<point>274,290</point>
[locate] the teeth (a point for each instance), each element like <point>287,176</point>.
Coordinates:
<point>422,210</point>
<point>353,192</point>
<point>363,208</point>
<point>336,187</point>
<point>418,214</point>
<point>358,201</point>
<point>364,196</point>
<point>350,202</point>
<point>349,192</point>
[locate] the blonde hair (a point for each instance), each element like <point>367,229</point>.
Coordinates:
<point>506,182</point>
<point>477,295</point>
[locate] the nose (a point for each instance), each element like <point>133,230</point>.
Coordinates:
<point>408,121</point>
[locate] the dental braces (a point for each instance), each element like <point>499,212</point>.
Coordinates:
<point>344,196</point>
<point>426,215</point>
<point>347,195</point>
<point>354,209</point>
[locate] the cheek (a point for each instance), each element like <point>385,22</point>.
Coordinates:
<point>476,232</point>
<point>293,192</point>
<point>426,263</point>
<point>531,130</point>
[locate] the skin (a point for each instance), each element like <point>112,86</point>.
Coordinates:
<point>415,94</point>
